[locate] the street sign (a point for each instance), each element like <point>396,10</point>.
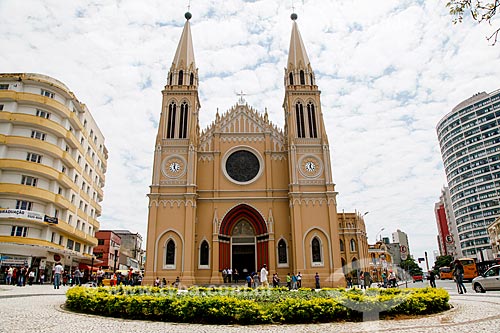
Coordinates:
<point>403,249</point>
<point>449,239</point>
<point>404,255</point>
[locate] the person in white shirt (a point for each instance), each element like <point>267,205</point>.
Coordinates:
<point>263,276</point>
<point>58,270</point>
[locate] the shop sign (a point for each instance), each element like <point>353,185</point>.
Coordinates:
<point>17,261</point>
<point>21,214</point>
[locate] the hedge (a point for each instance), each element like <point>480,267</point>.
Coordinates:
<point>253,306</point>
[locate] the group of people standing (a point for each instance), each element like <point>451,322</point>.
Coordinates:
<point>21,276</point>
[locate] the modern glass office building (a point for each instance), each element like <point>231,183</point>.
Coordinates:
<point>470,146</point>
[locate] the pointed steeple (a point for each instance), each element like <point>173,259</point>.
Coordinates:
<point>299,71</point>
<point>184,56</point>
<point>183,70</point>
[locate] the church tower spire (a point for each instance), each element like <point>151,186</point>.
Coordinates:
<point>299,71</point>
<point>175,162</point>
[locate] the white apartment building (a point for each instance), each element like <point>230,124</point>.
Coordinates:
<point>52,166</point>
<point>469,138</point>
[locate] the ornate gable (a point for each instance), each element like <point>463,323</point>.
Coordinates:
<point>242,123</point>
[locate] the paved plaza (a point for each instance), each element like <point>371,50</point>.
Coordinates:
<point>40,309</point>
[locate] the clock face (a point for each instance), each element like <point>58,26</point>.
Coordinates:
<point>310,166</point>
<point>174,167</point>
<point>242,166</point>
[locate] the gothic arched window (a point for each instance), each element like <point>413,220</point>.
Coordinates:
<point>183,121</point>
<point>299,113</point>
<point>170,255</point>
<point>316,250</point>
<point>282,253</point>
<point>291,78</point>
<point>311,114</point>
<point>181,78</point>
<point>302,78</point>
<point>172,109</point>
<point>342,245</point>
<point>191,79</point>
<point>353,245</point>
<point>204,251</point>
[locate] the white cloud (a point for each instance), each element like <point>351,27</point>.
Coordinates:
<point>388,71</point>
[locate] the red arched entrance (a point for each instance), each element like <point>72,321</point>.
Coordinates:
<point>235,248</point>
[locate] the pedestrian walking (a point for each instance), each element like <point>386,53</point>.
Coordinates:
<point>10,271</point>
<point>58,270</point>
<point>432,279</point>
<point>31,276</point>
<point>299,280</point>
<point>263,276</point>
<point>368,279</point>
<point>316,278</point>
<point>78,276</point>
<point>458,273</point>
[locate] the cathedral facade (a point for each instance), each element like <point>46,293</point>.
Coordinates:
<point>243,192</point>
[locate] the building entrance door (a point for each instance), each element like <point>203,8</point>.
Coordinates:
<point>243,258</point>
<point>243,252</point>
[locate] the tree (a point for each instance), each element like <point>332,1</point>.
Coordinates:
<point>480,11</point>
<point>411,266</point>
<point>442,261</point>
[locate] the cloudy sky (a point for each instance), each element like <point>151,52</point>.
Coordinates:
<point>389,70</point>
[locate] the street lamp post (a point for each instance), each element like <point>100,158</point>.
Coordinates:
<point>376,236</point>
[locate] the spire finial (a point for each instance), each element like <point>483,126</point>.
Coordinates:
<point>188,14</point>
<point>293,16</point>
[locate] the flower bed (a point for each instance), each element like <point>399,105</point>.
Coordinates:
<point>253,306</point>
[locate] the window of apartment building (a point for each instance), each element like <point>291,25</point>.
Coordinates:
<point>38,135</point>
<point>86,167</point>
<point>69,244</point>
<point>92,212</point>
<point>53,237</point>
<point>85,123</point>
<point>88,189</point>
<point>82,141</point>
<point>78,224</point>
<point>4,86</point>
<point>88,150</point>
<point>70,219</point>
<point>19,231</point>
<point>80,205</point>
<point>32,157</point>
<point>1,107</point>
<point>85,208</point>
<point>63,169</point>
<point>61,238</point>
<point>56,213</point>
<point>90,173</point>
<point>72,198</point>
<point>28,180</point>
<point>47,93</point>
<point>43,114</point>
<point>83,185</point>
<point>66,148</point>
<point>95,139</point>
<point>25,205</point>
<point>91,133</point>
<point>100,242</point>
<point>59,191</point>
<point>77,247</point>
<point>76,179</point>
<point>79,159</point>
<point>83,226</point>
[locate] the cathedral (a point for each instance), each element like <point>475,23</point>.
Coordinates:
<point>244,193</point>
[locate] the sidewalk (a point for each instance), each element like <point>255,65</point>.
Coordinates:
<point>38,309</point>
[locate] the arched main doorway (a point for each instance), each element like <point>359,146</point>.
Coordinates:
<point>243,240</point>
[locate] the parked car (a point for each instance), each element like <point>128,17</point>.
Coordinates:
<point>417,278</point>
<point>489,280</point>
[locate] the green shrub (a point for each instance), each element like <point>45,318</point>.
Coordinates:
<point>246,306</point>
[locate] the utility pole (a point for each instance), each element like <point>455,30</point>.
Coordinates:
<point>426,261</point>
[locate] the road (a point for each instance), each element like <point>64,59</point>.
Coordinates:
<point>40,309</point>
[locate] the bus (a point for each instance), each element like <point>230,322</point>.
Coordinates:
<point>470,268</point>
<point>445,273</point>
